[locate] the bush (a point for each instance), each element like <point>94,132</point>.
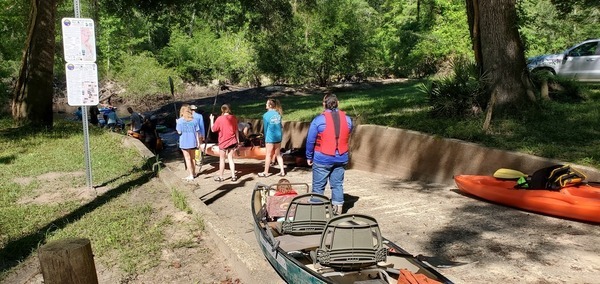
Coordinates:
<point>205,56</point>
<point>143,77</point>
<point>457,95</point>
<point>559,88</point>
<point>8,69</point>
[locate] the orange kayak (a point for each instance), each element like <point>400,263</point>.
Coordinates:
<point>250,152</point>
<point>581,202</point>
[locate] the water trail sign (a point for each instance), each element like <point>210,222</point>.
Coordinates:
<point>79,41</point>
<point>82,84</point>
<point>79,45</point>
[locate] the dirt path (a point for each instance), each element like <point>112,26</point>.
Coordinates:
<point>499,243</point>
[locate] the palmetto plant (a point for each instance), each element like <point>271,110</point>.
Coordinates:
<point>460,94</point>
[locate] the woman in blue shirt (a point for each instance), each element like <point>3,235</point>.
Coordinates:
<point>189,138</point>
<point>273,131</point>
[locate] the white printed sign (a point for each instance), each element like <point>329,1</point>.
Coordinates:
<point>79,41</point>
<point>82,84</point>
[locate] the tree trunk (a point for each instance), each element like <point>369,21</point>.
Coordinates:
<point>32,96</point>
<point>499,51</point>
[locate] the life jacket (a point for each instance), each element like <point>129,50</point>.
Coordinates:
<point>553,177</point>
<point>336,133</point>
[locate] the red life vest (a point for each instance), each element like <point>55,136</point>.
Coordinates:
<point>335,136</point>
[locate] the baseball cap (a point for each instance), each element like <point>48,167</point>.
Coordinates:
<point>193,107</point>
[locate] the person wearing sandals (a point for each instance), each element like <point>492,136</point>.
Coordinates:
<point>273,132</point>
<point>327,150</point>
<point>228,139</point>
<point>189,140</point>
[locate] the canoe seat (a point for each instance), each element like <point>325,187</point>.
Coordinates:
<point>351,242</point>
<point>307,214</point>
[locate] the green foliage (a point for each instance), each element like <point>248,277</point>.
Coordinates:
<point>414,41</point>
<point>205,56</point>
<point>448,37</point>
<point>460,94</point>
<point>13,27</point>
<point>328,39</point>
<point>143,77</point>
<point>560,89</point>
<point>547,30</point>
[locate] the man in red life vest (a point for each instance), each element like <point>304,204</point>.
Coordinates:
<point>327,150</point>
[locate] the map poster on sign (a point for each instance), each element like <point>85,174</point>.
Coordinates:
<point>79,40</point>
<point>82,84</point>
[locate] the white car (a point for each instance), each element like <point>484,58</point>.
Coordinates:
<point>580,62</point>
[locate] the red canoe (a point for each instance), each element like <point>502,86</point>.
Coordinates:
<point>580,202</point>
<point>251,152</point>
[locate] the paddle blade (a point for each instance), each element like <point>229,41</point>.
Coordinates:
<point>435,261</point>
<point>439,262</point>
<point>508,174</point>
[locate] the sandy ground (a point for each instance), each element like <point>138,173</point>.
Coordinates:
<point>500,244</point>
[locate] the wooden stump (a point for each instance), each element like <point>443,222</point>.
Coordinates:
<point>68,261</point>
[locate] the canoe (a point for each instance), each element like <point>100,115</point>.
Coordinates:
<point>581,202</point>
<point>310,245</point>
<point>243,152</point>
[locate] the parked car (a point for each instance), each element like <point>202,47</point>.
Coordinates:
<point>580,62</point>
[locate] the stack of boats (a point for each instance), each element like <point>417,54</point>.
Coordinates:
<point>306,243</point>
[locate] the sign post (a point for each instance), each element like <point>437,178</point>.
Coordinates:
<point>79,44</point>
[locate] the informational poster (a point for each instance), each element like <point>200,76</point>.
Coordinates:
<point>79,40</point>
<point>79,43</point>
<point>82,84</point>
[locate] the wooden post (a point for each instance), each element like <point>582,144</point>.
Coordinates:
<point>68,261</point>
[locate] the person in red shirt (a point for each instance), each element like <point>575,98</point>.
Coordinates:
<point>226,125</point>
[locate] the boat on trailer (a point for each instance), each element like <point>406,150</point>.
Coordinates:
<point>308,244</point>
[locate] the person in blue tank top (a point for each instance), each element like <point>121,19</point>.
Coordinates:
<point>273,132</point>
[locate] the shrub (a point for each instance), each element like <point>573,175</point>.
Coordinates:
<point>559,88</point>
<point>142,77</point>
<point>457,95</point>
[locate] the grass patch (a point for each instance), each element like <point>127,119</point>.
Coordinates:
<point>179,201</point>
<point>37,165</point>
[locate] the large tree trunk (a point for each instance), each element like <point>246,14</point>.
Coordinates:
<point>499,51</point>
<point>32,96</point>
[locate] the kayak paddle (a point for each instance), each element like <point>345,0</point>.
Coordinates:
<point>503,173</point>
<point>434,261</point>
<point>208,131</point>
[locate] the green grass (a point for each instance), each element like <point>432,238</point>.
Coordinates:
<point>117,229</point>
<point>180,202</point>
<point>565,131</point>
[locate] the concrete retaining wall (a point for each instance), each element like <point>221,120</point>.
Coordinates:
<point>413,155</point>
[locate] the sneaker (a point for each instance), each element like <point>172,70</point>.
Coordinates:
<point>188,178</point>
<point>337,210</point>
